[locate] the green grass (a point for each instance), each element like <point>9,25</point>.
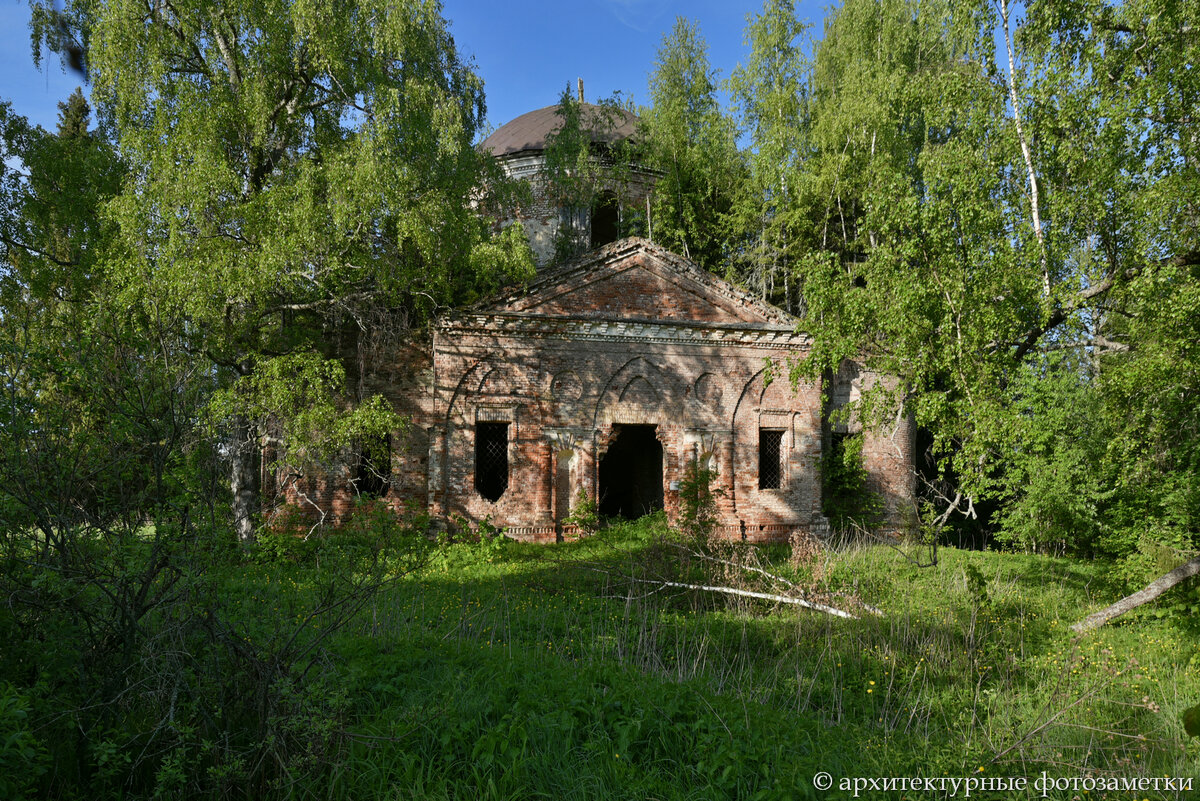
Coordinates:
<point>514,671</point>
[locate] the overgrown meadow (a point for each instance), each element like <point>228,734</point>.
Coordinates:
<point>491,669</point>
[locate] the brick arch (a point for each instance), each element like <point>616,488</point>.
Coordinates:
<point>639,390</point>
<point>470,383</point>
<point>745,397</point>
<point>636,379</point>
<point>778,393</point>
<point>741,404</point>
<point>484,377</point>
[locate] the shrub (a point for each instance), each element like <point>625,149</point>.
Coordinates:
<point>22,757</point>
<point>698,503</point>
<point>846,496</point>
<point>585,514</point>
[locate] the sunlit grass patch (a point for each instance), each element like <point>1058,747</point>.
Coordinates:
<point>512,670</point>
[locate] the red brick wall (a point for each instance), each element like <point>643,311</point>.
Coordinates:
<point>888,446</point>
<point>640,293</point>
<point>563,387</point>
<point>703,399</point>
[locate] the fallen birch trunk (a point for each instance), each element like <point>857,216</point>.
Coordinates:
<point>873,610</point>
<point>1155,589</point>
<point>765,596</point>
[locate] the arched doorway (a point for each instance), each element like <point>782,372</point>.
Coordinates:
<point>631,473</point>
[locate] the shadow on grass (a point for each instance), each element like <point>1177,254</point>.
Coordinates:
<point>535,671</point>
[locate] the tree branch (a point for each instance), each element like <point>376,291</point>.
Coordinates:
<point>13,243</point>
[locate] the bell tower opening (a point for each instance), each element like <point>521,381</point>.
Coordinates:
<point>631,473</point>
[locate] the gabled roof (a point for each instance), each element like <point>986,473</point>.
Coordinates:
<point>635,279</point>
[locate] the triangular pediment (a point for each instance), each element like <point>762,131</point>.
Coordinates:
<point>634,279</point>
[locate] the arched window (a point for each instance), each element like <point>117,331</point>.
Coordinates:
<point>770,461</point>
<point>605,219</point>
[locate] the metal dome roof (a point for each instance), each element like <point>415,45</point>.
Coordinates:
<point>529,131</point>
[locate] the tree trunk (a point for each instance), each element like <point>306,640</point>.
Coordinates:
<point>1155,589</point>
<point>244,458</point>
<point>1033,183</point>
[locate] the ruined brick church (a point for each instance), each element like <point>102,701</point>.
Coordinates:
<point>606,377</point>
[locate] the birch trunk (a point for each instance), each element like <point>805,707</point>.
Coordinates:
<point>244,477</point>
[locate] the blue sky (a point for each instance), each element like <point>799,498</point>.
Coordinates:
<point>527,53</point>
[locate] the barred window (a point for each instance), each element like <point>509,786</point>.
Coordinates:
<point>491,459</point>
<point>770,453</point>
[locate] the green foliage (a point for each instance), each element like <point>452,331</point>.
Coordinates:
<point>1016,246</point>
<point>547,674</point>
<point>533,671</point>
<point>484,542</point>
<point>846,497</point>
<point>1191,721</point>
<point>582,165</point>
<point>497,261</point>
<point>374,534</point>
<point>571,175</point>
<point>305,199</point>
<point>22,757</point>
<point>276,189</point>
<point>977,586</point>
<point>698,513</point>
<point>532,725</point>
<point>585,514</point>
<point>230,660</point>
<point>1056,480</point>
<point>770,94</point>
<point>299,393</point>
<point>692,142</point>
<point>52,232</point>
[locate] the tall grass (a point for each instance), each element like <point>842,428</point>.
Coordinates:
<point>512,671</point>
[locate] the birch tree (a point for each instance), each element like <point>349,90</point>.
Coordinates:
<point>1010,195</point>
<point>691,140</point>
<point>297,170</point>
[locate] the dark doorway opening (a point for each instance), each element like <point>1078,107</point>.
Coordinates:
<point>606,216</point>
<point>631,473</point>
<point>373,469</point>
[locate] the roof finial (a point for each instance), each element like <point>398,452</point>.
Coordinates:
<point>580,80</point>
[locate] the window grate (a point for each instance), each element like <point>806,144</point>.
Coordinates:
<point>491,459</point>
<point>770,461</point>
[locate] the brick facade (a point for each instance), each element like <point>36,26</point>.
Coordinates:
<point>628,342</point>
<point>542,217</point>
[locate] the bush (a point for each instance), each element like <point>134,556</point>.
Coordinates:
<point>22,757</point>
<point>698,504</point>
<point>846,497</point>
<point>585,514</point>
